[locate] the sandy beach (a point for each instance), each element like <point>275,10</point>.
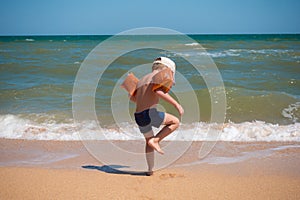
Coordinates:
<point>37,183</point>
<point>26,174</point>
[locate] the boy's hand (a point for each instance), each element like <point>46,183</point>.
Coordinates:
<point>180,109</point>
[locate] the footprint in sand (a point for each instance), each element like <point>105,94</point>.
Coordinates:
<point>170,175</point>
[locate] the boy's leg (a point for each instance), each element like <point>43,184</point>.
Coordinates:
<point>149,153</point>
<point>171,124</point>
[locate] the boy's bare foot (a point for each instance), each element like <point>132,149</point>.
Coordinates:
<point>149,173</point>
<point>154,144</point>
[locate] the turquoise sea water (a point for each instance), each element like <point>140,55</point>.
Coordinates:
<point>261,75</point>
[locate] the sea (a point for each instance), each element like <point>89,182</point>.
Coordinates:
<point>260,76</point>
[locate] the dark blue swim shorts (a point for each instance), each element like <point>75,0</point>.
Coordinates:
<point>148,118</point>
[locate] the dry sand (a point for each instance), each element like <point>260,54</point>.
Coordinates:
<point>38,183</point>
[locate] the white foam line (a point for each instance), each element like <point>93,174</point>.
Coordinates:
<point>15,127</point>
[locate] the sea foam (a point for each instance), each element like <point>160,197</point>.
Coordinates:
<point>16,127</point>
<point>192,44</point>
<point>290,111</point>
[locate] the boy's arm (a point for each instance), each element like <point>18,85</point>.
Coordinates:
<point>169,99</point>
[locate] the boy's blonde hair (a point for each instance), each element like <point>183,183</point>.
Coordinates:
<point>158,66</point>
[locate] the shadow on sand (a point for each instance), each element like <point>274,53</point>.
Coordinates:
<point>113,169</point>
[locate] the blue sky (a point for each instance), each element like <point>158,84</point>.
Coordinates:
<point>61,17</point>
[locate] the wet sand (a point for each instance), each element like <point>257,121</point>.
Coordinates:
<point>66,170</point>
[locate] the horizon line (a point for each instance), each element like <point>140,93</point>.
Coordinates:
<point>29,35</point>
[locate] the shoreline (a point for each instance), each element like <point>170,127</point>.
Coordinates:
<point>73,154</point>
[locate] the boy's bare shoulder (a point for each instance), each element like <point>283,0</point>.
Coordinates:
<point>146,80</point>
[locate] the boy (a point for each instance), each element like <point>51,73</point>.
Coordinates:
<point>146,95</point>
<point>146,100</point>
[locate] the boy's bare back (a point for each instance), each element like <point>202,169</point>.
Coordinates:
<point>145,97</point>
